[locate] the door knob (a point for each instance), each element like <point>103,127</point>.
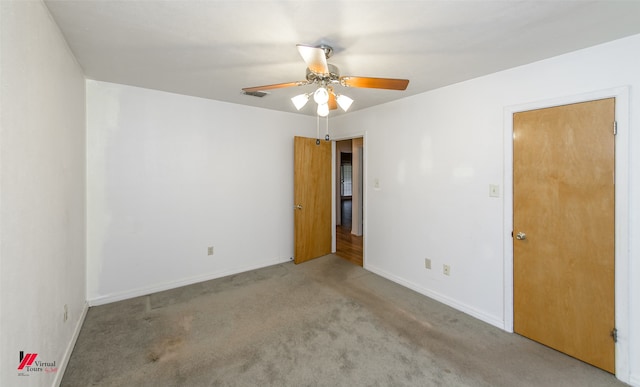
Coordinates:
<point>521,236</point>
<point>298,207</point>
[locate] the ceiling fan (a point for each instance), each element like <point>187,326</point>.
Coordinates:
<point>326,76</point>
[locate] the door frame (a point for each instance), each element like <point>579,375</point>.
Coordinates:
<point>622,295</point>
<point>334,156</point>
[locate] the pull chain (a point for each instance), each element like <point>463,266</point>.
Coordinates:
<point>326,137</point>
<point>317,130</point>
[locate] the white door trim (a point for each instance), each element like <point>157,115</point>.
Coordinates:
<point>622,281</point>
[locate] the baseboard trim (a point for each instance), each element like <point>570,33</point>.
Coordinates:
<point>114,297</point>
<point>438,297</point>
<point>70,346</point>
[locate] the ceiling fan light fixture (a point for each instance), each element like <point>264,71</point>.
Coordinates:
<point>344,102</point>
<point>321,96</point>
<point>300,100</point>
<point>323,110</point>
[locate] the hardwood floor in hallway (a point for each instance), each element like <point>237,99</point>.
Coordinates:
<point>348,246</point>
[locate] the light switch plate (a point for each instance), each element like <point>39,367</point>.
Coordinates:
<point>494,191</point>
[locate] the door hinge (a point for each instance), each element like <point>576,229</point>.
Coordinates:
<point>615,128</point>
<point>614,335</point>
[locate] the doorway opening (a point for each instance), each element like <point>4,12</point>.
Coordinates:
<point>349,200</point>
<point>346,190</point>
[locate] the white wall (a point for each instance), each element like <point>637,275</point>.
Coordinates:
<point>170,175</point>
<point>433,201</point>
<point>42,193</point>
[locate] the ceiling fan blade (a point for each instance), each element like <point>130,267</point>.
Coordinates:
<point>274,86</point>
<point>314,58</point>
<point>375,83</point>
<point>333,105</point>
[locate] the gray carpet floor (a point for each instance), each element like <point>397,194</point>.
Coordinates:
<point>323,323</point>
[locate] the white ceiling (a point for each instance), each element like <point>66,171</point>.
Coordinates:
<point>214,48</point>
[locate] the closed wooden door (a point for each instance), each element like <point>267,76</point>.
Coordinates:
<point>312,199</point>
<point>563,176</point>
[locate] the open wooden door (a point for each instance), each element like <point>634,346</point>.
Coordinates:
<point>563,248</point>
<point>312,198</point>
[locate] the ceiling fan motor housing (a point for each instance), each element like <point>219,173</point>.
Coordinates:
<point>333,76</point>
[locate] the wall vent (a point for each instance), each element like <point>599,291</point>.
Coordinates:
<point>259,94</point>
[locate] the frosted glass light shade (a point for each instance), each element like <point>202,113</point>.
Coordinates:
<point>323,110</point>
<point>300,100</point>
<point>344,102</point>
<point>321,96</point>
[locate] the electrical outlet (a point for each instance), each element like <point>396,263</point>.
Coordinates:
<point>427,263</point>
<point>210,250</point>
<point>446,269</point>
<point>66,313</point>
